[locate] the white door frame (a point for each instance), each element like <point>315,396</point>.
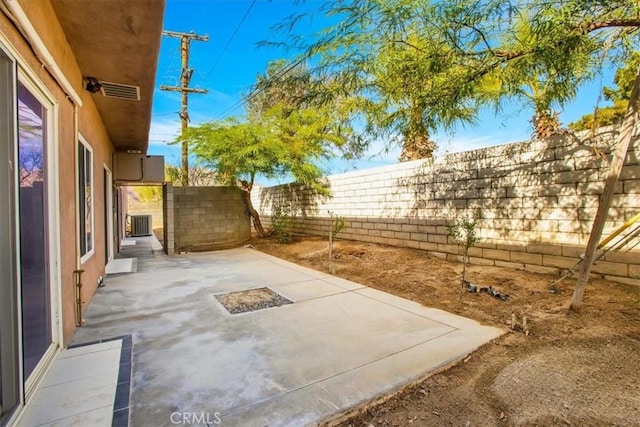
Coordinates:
<point>108,186</point>
<point>10,323</point>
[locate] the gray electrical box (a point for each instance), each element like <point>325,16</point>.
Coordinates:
<point>132,168</point>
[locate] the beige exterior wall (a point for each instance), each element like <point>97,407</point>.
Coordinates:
<point>536,200</point>
<point>90,126</point>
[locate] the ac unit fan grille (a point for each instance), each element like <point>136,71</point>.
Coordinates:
<point>140,225</point>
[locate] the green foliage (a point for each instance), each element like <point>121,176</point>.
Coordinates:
<point>292,95</point>
<point>274,147</point>
<point>611,115</point>
<point>409,67</point>
<point>463,230</point>
<point>281,222</point>
<point>283,136</point>
<point>624,79</point>
<point>148,193</point>
<point>337,224</point>
<point>604,116</point>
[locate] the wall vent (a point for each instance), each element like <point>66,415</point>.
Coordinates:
<point>120,91</point>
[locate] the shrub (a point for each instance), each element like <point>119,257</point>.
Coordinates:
<point>281,222</point>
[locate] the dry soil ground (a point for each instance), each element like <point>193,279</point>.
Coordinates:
<point>580,369</point>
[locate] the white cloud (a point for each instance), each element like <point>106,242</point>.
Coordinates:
<point>164,130</point>
<point>474,142</point>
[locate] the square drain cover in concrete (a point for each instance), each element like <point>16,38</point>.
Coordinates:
<point>251,300</point>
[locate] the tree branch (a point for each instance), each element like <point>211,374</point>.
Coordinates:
<point>610,24</point>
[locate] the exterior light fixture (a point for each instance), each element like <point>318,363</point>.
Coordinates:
<point>92,84</point>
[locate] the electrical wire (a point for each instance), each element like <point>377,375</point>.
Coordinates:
<point>228,43</point>
<point>257,92</point>
<point>165,114</point>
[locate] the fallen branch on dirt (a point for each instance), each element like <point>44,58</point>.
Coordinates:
<point>470,287</point>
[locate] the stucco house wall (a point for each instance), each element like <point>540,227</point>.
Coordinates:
<point>90,126</point>
<point>48,49</point>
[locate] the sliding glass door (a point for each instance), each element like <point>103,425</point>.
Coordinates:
<point>34,229</point>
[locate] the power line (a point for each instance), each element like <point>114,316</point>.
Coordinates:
<point>228,43</point>
<point>278,76</point>
<point>257,92</point>
<point>165,114</point>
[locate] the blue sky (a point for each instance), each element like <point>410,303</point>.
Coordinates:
<point>227,66</point>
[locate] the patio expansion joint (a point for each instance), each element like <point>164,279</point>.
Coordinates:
<point>405,310</point>
<point>343,292</point>
<point>289,265</point>
<point>318,381</point>
<point>298,302</point>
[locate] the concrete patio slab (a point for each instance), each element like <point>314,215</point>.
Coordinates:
<point>78,390</point>
<point>338,345</point>
<point>121,265</point>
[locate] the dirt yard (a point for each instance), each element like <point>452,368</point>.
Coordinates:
<point>570,369</point>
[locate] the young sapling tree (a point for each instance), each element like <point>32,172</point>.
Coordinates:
<point>464,232</point>
<point>337,225</point>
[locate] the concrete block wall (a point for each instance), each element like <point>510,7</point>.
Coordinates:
<point>536,202</point>
<point>207,218</point>
<point>168,230</point>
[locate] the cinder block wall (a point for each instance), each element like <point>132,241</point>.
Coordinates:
<point>536,201</point>
<point>168,223</point>
<point>207,218</point>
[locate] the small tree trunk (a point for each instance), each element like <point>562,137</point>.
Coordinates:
<point>330,247</point>
<point>417,144</point>
<point>546,123</point>
<point>257,224</point>
<point>464,270</point>
<point>624,140</point>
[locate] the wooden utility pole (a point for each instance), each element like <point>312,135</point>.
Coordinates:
<point>624,140</point>
<point>185,78</point>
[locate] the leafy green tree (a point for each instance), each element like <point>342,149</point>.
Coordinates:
<point>464,232</point>
<point>287,132</point>
<point>377,57</point>
<point>610,115</point>
<point>273,147</point>
<point>542,85</point>
<point>413,66</point>
<point>289,92</point>
<point>404,103</point>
